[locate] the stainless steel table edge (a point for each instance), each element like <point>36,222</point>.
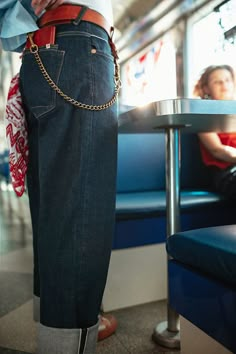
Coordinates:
<point>189,113</point>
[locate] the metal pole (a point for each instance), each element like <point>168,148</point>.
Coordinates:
<point>167,333</point>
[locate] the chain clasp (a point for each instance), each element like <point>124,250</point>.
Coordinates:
<point>33,47</point>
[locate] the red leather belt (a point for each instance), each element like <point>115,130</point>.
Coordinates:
<point>69,13</point>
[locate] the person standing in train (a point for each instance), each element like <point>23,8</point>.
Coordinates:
<point>69,82</point>
<point>219,149</point>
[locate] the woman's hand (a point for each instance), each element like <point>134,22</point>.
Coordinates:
<point>41,5</point>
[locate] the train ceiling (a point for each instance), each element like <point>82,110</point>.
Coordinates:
<point>128,11</point>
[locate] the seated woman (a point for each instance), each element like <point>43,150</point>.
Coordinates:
<point>219,149</point>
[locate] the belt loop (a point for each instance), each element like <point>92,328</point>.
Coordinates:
<point>112,32</point>
<point>112,44</point>
<point>80,15</point>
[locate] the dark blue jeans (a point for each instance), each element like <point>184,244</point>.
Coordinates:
<point>71,174</point>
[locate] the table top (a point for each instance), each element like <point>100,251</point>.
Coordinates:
<point>196,115</point>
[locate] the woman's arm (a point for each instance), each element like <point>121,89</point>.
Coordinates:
<point>213,144</point>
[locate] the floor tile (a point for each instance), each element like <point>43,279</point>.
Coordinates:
<point>16,289</point>
<point>136,325</point>
<point>10,351</point>
<point>111,345</point>
<point>17,261</point>
<point>18,330</point>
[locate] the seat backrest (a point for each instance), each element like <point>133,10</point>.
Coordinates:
<point>141,163</point>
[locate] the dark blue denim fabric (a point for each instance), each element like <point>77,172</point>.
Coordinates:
<point>72,174</point>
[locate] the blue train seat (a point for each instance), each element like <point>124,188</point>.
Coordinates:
<point>141,192</point>
<point>202,280</point>
<point>137,272</point>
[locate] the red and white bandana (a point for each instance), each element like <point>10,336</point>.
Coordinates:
<point>17,137</point>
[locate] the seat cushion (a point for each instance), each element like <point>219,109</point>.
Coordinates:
<point>210,250</point>
<point>137,203</point>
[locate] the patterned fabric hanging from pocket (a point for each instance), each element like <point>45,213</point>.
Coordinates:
<point>17,137</point>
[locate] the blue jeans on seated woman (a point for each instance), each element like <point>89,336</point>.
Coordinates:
<point>71,178</point>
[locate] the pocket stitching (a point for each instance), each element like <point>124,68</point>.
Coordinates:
<point>52,106</point>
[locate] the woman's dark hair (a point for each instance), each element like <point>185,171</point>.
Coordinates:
<point>198,90</point>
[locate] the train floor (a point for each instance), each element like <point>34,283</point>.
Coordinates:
<point>17,329</point>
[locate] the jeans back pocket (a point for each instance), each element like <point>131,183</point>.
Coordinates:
<point>38,95</point>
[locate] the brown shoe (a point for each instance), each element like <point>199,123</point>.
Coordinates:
<point>107,326</point>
